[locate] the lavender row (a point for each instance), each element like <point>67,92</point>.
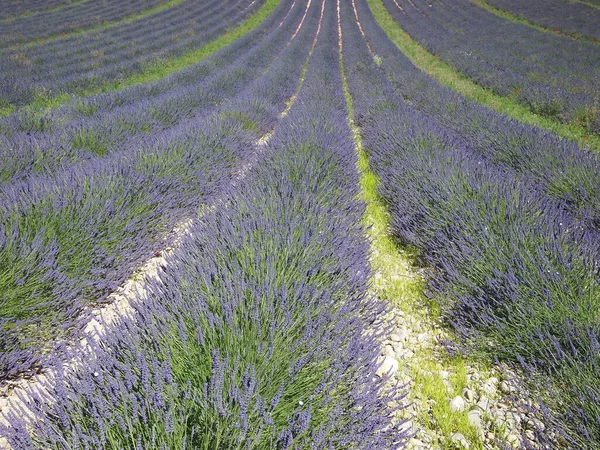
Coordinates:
<point>99,105</point>
<point>13,9</point>
<point>552,75</point>
<point>567,17</point>
<point>73,137</point>
<point>80,63</point>
<point>79,16</point>
<point>259,334</point>
<point>69,239</point>
<point>563,170</point>
<point>514,274</point>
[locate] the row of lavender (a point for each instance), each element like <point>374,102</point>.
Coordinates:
<point>15,9</point>
<point>514,266</point>
<point>561,169</point>
<point>83,62</point>
<point>102,125</point>
<point>260,333</point>
<point>574,18</point>
<point>69,236</point>
<point>71,18</point>
<point>551,74</point>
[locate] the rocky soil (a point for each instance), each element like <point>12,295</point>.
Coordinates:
<point>499,409</point>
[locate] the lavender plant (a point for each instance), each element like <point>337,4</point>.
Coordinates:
<point>551,74</point>
<point>8,10</point>
<point>125,118</point>
<point>260,334</point>
<point>78,63</point>
<point>515,274</point>
<point>70,238</point>
<point>75,17</point>
<point>562,169</point>
<point>574,18</point>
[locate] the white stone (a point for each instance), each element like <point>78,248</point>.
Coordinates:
<point>483,404</point>
<point>406,354</point>
<point>530,435</point>
<point>395,338</point>
<point>506,387</point>
<point>460,440</point>
<point>468,394</point>
<point>474,418</point>
<point>489,388</point>
<point>402,334</point>
<point>514,440</point>
<point>388,350</point>
<point>457,404</point>
<point>388,366</point>
<point>406,427</point>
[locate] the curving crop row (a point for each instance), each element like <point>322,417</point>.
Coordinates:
<point>44,24</point>
<point>84,62</point>
<point>553,75</point>
<point>69,238</point>
<point>106,123</point>
<point>515,273</point>
<point>561,169</point>
<point>14,9</point>
<point>574,18</point>
<point>260,333</point>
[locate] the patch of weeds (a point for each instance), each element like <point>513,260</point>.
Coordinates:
<point>90,140</point>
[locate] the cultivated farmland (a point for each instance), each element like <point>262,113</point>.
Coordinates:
<point>299,224</point>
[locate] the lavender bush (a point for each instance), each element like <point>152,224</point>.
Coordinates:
<point>8,10</point>
<point>574,18</point>
<point>260,333</point>
<point>563,170</point>
<point>514,272</point>
<point>553,75</point>
<point>107,123</point>
<point>78,63</point>
<point>68,239</point>
<point>65,20</point>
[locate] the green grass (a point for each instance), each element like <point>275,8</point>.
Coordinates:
<point>593,5</point>
<point>159,69</point>
<point>101,26</point>
<point>397,283</point>
<point>514,18</point>
<point>450,77</point>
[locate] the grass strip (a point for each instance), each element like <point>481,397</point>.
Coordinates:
<point>514,18</point>
<point>101,26</point>
<point>160,69</point>
<point>450,77</point>
<point>589,3</point>
<point>397,283</point>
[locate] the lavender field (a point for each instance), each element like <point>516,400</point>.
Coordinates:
<point>193,200</point>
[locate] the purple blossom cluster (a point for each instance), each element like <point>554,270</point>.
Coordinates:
<point>260,333</point>
<point>69,236</point>
<point>553,75</point>
<point>576,18</point>
<point>513,263</point>
<point>76,17</point>
<point>81,62</point>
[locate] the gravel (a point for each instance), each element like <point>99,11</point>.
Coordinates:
<point>498,407</point>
